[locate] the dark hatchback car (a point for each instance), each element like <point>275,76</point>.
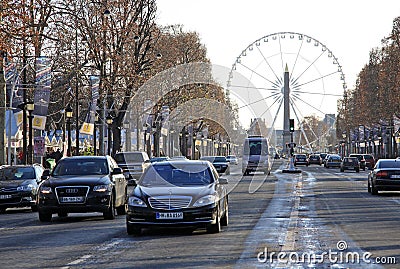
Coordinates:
<point>350,163</point>
<point>385,176</point>
<point>18,186</point>
<point>220,163</point>
<point>82,184</point>
<point>178,194</point>
<point>315,159</point>
<point>300,159</point>
<point>361,159</point>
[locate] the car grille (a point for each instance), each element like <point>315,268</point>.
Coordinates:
<point>72,192</point>
<point>8,189</point>
<point>170,202</point>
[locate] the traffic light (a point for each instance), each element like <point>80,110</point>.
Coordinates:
<point>291,125</point>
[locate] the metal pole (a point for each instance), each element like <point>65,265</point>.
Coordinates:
<point>69,137</point>
<point>30,149</point>
<point>94,138</point>
<point>109,139</point>
<point>24,123</point>
<point>76,90</point>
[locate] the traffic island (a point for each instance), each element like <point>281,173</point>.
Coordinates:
<point>291,169</point>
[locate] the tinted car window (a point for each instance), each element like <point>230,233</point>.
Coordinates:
<point>129,157</point>
<point>388,164</point>
<point>17,173</point>
<point>181,175</point>
<point>81,167</point>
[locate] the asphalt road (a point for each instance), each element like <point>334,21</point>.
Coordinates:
<point>322,215</point>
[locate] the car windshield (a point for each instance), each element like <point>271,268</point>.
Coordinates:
<point>17,173</point>
<point>129,157</point>
<point>81,167</point>
<point>389,164</point>
<point>177,175</point>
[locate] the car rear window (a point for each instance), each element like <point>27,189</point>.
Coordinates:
<point>129,157</point>
<point>389,164</point>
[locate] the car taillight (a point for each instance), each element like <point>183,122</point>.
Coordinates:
<point>382,174</point>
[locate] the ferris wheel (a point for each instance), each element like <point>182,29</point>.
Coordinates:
<point>314,76</point>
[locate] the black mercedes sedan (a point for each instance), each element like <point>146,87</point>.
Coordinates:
<point>385,176</point>
<point>82,184</point>
<point>178,193</point>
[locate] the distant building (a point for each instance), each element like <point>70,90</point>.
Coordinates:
<point>330,120</point>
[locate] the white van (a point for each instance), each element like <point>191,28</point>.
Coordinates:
<point>256,155</point>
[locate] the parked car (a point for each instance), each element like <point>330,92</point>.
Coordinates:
<point>82,184</point>
<point>18,186</point>
<point>369,161</point>
<point>178,193</point>
<point>385,176</point>
<point>350,163</point>
<point>361,159</point>
<point>232,159</point>
<point>333,160</point>
<point>300,159</point>
<point>220,163</point>
<point>315,159</point>
<point>133,163</point>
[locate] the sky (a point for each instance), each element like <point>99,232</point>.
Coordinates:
<point>349,28</point>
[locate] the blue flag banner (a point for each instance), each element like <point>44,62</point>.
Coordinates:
<point>42,92</point>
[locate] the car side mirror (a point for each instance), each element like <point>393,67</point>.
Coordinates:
<point>147,161</point>
<point>117,171</point>
<point>45,174</point>
<point>223,181</point>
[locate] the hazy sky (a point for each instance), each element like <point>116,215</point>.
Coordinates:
<point>349,28</point>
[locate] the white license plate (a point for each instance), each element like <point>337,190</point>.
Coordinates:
<point>395,176</point>
<point>169,215</point>
<point>5,196</point>
<point>77,199</point>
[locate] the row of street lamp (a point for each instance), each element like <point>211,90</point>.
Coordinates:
<point>109,121</point>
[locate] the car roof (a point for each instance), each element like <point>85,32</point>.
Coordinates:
<point>181,162</point>
<point>84,157</point>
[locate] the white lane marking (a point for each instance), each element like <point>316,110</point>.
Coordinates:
<point>102,247</point>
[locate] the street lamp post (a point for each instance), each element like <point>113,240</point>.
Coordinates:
<point>30,107</point>
<point>68,114</point>
<point>109,121</point>
<point>96,120</point>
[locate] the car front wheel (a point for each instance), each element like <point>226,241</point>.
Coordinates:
<point>216,227</point>
<point>110,213</point>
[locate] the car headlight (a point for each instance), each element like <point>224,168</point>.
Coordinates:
<point>45,190</point>
<point>134,201</point>
<point>206,200</point>
<point>102,188</point>
<point>28,187</point>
